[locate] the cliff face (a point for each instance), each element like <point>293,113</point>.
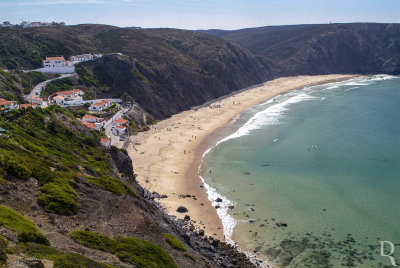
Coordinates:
<point>164,70</point>
<point>364,48</point>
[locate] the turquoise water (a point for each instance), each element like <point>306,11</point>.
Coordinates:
<point>324,160</point>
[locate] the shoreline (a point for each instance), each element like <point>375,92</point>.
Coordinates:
<point>170,153</point>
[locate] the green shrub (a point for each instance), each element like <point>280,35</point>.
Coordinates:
<point>142,253</point>
<point>174,242</point>
<point>3,256</point>
<point>14,220</point>
<point>73,260</point>
<point>3,242</point>
<point>94,240</point>
<point>40,251</point>
<point>85,77</point>
<point>59,198</point>
<point>112,185</point>
<point>189,257</point>
<point>138,252</point>
<point>33,237</point>
<point>16,167</point>
<point>60,258</point>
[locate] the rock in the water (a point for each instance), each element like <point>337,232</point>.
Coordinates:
<point>217,206</point>
<point>182,209</point>
<point>231,207</point>
<point>219,199</point>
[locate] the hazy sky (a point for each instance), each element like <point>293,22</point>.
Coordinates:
<point>200,14</point>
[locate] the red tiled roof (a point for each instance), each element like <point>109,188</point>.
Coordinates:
<point>121,121</point>
<point>120,127</point>
<point>55,58</point>
<point>68,92</point>
<point>89,116</point>
<point>101,103</point>
<point>4,102</point>
<point>35,98</point>
<point>105,140</point>
<point>89,125</point>
<point>27,105</point>
<point>58,97</point>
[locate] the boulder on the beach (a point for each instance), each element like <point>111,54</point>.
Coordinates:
<point>187,218</point>
<point>219,199</point>
<point>201,232</point>
<point>182,209</point>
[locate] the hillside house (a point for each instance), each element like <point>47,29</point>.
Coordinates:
<point>105,142</point>
<point>120,122</point>
<point>68,97</point>
<point>92,119</point>
<point>100,105</point>
<point>56,65</point>
<point>119,130</point>
<point>28,105</point>
<point>92,126</point>
<point>6,105</point>
<point>35,100</point>
<point>54,62</point>
<point>81,58</point>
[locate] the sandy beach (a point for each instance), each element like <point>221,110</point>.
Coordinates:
<point>170,152</point>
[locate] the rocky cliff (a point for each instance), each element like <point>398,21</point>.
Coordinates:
<point>359,48</point>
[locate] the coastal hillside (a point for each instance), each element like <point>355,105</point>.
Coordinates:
<point>364,48</point>
<point>68,201</point>
<point>166,71</point>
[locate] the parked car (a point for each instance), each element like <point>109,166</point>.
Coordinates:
<point>122,138</point>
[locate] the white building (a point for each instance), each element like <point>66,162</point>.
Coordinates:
<point>100,105</point>
<point>56,65</point>
<point>119,122</point>
<point>105,142</point>
<point>54,62</point>
<point>68,97</point>
<point>119,130</point>
<point>6,105</point>
<point>92,119</point>
<point>35,100</point>
<point>80,58</point>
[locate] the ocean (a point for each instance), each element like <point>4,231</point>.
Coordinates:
<point>313,175</point>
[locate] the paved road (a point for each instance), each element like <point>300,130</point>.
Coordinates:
<point>115,138</point>
<point>38,88</point>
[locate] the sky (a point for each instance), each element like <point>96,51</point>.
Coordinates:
<point>200,14</point>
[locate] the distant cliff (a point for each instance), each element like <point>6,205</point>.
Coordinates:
<point>164,70</point>
<point>364,48</point>
<point>167,71</point>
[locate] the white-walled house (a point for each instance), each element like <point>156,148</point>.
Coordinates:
<point>119,130</point>
<point>54,62</point>
<point>92,119</point>
<point>35,100</point>
<point>56,65</point>
<point>68,97</point>
<point>80,58</point>
<point>105,142</point>
<point>100,105</point>
<point>120,122</point>
<point>6,105</point>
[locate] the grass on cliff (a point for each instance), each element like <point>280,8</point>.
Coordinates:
<point>61,259</point>
<point>112,185</point>
<point>50,146</point>
<point>138,252</point>
<point>14,220</point>
<point>27,230</point>
<point>174,242</point>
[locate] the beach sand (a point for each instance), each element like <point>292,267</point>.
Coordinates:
<point>170,152</point>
